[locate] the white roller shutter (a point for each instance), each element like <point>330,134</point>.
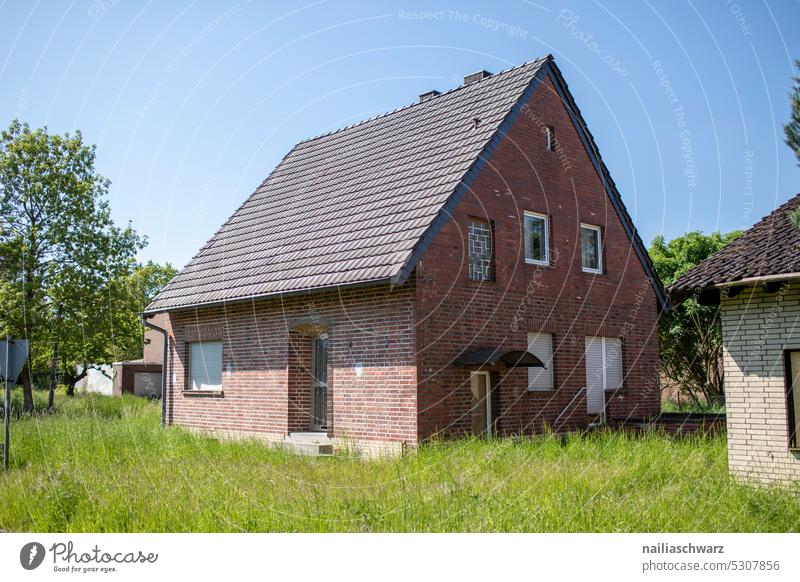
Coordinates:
<point>541,346</point>
<point>603,370</point>
<point>613,366</point>
<point>595,380</point>
<point>205,362</point>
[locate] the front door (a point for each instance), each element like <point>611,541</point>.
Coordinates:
<point>319,383</point>
<point>481,404</point>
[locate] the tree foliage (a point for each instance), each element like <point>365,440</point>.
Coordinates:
<point>63,262</point>
<point>792,129</point>
<point>690,337</point>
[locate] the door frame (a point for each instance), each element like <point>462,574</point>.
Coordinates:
<point>793,440</point>
<point>488,419</point>
<point>315,384</point>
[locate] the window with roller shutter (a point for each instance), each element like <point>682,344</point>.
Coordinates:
<point>205,365</point>
<point>541,345</point>
<point>603,370</point>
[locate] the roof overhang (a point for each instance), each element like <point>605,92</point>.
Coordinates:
<point>710,294</point>
<point>511,358</point>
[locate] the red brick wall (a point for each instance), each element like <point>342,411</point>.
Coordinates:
<point>456,313</point>
<point>369,328</point>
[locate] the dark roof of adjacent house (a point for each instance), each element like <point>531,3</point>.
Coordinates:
<point>359,205</point>
<point>771,247</point>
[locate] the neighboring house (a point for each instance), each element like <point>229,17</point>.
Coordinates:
<point>97,380</point>
<point>406,277</point>
<point>756,282</point>
<point>142,376</point>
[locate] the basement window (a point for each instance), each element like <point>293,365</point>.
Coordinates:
<point>205,366</point>
<point>479,236</point>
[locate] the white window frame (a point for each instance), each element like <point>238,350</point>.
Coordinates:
<point>209,387</point>
<point>548,364</point>
<point>598,230</point>
<point>546,261</point>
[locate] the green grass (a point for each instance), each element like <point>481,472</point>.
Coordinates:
<point>104,464</point>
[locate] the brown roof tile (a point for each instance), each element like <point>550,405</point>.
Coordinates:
<point>770,247</point>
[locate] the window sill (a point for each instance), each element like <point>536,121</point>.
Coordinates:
<point>207,393</point>
<point>541,390</point>
<point>538,263</point>
<point>592,272</point>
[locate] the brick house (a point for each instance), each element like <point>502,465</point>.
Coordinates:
<point>461,265</point>
<point>756,282</point>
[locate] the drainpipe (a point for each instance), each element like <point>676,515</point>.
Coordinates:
<point>163,332</point>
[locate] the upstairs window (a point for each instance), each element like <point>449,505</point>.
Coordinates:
<point>480,250</point>
<point>205,366</point>
<point>591,249</point>
<point>550,138</point>
<point>536,239</point>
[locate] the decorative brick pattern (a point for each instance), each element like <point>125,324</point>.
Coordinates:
<point>480,250</point>
<point>757,326</point>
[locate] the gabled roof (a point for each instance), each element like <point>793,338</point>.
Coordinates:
<point>359,205</point>
<point>771,247</point>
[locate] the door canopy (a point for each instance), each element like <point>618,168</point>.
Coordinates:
<point>511,358</point>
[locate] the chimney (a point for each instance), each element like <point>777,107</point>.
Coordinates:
<point>428,95</point>
<point>474,77</point>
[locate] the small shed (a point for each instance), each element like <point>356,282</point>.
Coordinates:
<point>756,282</point>
<point>142,376</point>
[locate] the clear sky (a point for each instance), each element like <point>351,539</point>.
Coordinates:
<point>192,104</point>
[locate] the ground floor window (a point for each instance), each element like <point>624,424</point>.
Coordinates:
<point>793,396</point>
<point>541,345</point>
<point>205,365</point>
<point>603,370</point>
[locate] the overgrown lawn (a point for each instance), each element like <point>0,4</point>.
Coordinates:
<point>101,464</point>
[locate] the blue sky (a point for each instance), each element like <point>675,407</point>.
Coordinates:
<point>192,105</point>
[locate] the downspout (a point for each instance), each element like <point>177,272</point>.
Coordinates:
<point>163,332</point>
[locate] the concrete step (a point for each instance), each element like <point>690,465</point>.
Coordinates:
<point>308,443</point>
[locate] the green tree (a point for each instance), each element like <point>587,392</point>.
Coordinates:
<point>60,252</point>
<point>135,292</point>
<point>690,337</point>
<point>792,129</point>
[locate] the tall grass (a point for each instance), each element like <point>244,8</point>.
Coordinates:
<point>102,464</point>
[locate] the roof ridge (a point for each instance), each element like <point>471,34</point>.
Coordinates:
<point>417,103</point>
